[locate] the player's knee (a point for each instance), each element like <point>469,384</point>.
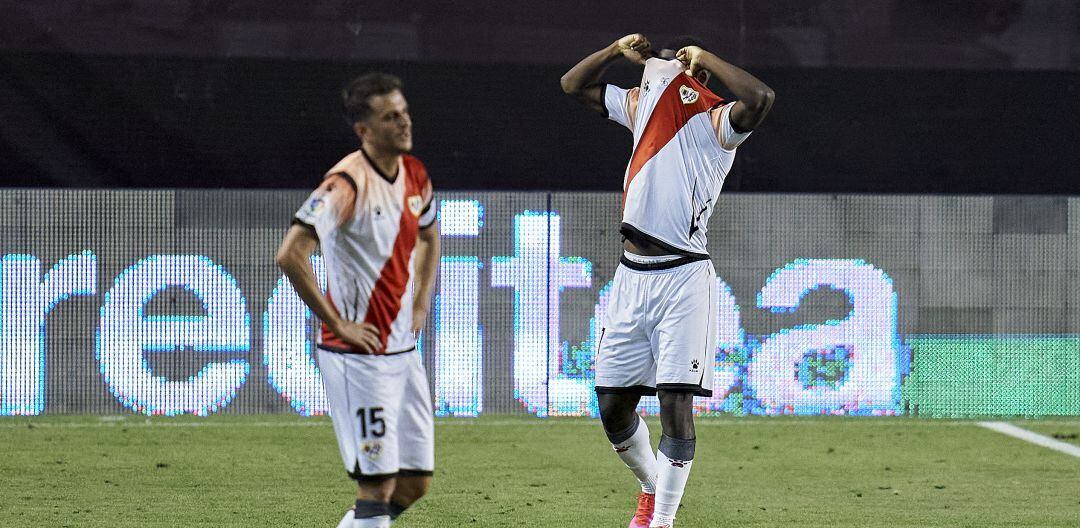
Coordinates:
<point>617,411</point>
<point>676,413</point>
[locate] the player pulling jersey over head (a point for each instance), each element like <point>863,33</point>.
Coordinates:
<point>657,333</point>
<point>668,196</point>
<point>373,217</point>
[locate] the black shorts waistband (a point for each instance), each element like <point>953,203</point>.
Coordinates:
<point>667,264</point>
<point>349,352</point>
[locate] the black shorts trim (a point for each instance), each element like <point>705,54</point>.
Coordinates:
<point>643,390</point>
<point>347,351</point>
<point>656,266</point>
<point>634,234</point>
<point>416,473</point>
<point>359,476</point>
<point>685,387</point>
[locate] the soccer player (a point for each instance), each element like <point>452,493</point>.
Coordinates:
<point>374,219</point>
<point>659,331</point>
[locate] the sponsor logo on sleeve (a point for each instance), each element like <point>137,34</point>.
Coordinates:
<point>315,206</point>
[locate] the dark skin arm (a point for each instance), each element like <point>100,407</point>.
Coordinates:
<point>294,258</point>
<point>755,98</point>
<point>583,80</point>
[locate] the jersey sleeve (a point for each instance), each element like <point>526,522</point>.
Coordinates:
<point>617,105</point>
<point>729,137</point>
<point>329,205</point>
<point>428,213</point>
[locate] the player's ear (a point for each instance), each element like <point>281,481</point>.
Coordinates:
<point>359,129</point>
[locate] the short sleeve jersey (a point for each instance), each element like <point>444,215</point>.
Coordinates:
<point>367,226</point>
<point>684,146</point>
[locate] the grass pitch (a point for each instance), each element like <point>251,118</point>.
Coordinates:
<point>258,471</point>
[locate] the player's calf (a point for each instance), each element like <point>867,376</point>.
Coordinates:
<point>675,455</point>
<point>410,487</point>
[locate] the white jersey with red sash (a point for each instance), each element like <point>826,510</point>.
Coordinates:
<point>684,146</point>
<point>367,226</point>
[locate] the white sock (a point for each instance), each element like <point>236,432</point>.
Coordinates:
<point>347,520</point>
<point>382,521</point>
<point>636,452</point>
<point>674,468</point>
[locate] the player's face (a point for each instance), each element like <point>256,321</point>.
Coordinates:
<point>389,128</point>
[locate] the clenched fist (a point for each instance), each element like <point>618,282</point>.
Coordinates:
<point>634,47</point>
<point>691,57</point>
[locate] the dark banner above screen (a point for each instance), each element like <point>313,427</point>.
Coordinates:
<point>910,34</point>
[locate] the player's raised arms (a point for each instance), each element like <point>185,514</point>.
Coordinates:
<point>754,98</point>
<point>583,80</point>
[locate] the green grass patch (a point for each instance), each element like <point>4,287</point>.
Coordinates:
<point>228,471</point>
<point>1065,431</point>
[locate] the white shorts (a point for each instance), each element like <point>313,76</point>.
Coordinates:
<point>659,330</point>
<point>382,413</point>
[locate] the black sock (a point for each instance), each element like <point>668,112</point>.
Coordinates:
<point>366,509</point>
<point>396,510</point>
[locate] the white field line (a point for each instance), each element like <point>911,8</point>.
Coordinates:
<point>1034,438</point>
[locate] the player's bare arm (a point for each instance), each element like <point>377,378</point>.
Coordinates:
<point>583,80</point>
<point>755,98</point>
<point>294,258</point>
<point>427,262</point>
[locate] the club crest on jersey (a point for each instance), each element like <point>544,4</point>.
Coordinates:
<point>416,203</point>
<point>688,95</point>
<point>372,449</point>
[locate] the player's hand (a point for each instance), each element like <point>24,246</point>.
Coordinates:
<point>419,318</point>
<point>691,57</point>
<point>635,47</point>
<point>360,335</point>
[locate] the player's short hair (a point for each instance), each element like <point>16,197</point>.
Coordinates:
<point>355,96</point>
<point>682,41</point>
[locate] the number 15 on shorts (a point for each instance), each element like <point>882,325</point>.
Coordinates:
<point>371,421</point>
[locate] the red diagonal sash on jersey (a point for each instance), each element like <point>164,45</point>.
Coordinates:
<point>668,117</point>
<point>385,300</point>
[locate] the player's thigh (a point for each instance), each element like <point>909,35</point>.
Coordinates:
<point>624,353</point>
<point>365,393</point>
<point>416,426</point>
<point>685,332</point>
